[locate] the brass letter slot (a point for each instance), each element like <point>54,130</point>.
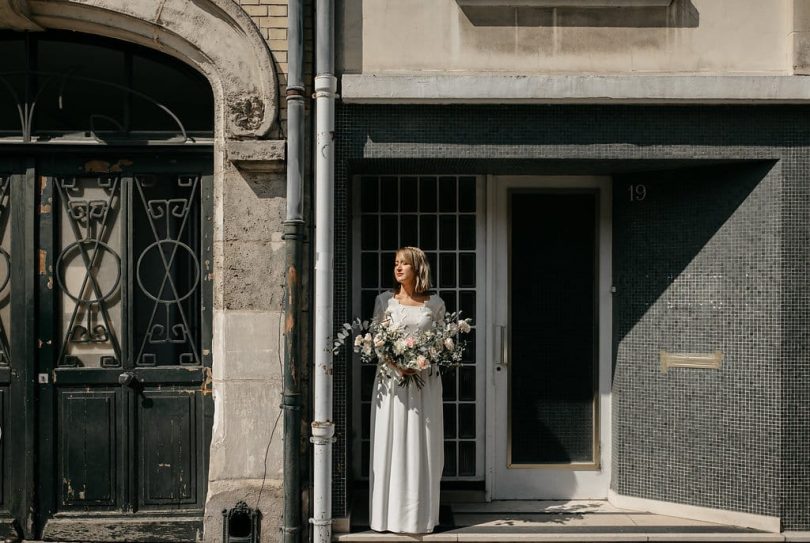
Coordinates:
<point>691,360</point>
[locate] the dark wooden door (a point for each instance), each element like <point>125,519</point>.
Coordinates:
<point>118,360</point>
<point>17,410</point>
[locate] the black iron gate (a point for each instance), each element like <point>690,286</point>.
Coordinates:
<point>112,375</point>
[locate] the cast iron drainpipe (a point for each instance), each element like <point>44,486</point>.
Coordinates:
<point>293,236</point>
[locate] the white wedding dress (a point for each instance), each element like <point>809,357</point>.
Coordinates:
<point>407,435</point>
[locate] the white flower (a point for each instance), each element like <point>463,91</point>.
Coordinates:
<point>379,342</point>
<point>399,346</point>
<point>367,339</point>
<point>448,344</point>
<point>464,327</point>
<point>358,341</point>
<point>452,329</point>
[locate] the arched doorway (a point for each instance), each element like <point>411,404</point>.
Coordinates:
<point>106,182</point>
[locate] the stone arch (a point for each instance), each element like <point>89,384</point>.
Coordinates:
<point>215,36</point>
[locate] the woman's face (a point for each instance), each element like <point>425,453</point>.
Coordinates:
<point>403,271</point>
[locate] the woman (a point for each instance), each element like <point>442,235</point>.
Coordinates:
<point>407,449</point>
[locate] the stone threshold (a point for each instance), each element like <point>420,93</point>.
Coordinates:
<point>569,521</point>
<point>670,537</point>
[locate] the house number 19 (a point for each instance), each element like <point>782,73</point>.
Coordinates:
<point>637,192</point>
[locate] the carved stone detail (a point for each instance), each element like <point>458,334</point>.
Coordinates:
<point>16,15</point>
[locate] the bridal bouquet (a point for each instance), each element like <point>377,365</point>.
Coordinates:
<point>392,348</point>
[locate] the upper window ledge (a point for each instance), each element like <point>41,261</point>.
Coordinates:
<point>566,3</point>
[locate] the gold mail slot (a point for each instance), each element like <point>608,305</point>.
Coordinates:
<point>691,360</point>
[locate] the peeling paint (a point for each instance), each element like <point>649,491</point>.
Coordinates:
<point>45,209</point>
<point>43,261</point>
<point>102,166</point>
<point>206,387</point>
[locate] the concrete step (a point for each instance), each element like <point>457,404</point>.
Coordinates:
<point>572,521</point>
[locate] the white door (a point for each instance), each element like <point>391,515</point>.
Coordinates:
<point>549,364</point>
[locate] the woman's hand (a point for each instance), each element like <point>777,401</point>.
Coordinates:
<point>403,372</point>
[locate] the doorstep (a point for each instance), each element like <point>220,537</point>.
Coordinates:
<point>570,521</point>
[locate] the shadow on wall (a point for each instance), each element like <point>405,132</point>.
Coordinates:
<point>656,241</point>
<point>349,36</point>
<point>679,14</point>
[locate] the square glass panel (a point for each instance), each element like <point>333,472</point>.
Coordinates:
<point>428,232</point>
<point>449,415</point>
<point>447,232</point>
<point>389,194</point>
<point>466,271</point>
<point>369,194</point>
<point>447,194</point>
<point>369,232</point>
<point>370,270</point>
<point>408,194</point>
<point>447,270</point>
<point>466,420</point>
<point>449,386</point>
<point>466,304</point>
<point>427,194</point>
<point>466,458</point>
<point>466,194</point>
<point>408,231</point>
<point>466,383</point>
<point>466,232</point>
<point>449,459</point>
<point>389,232</point>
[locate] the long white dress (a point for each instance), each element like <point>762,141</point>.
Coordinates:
<point>407,432</point>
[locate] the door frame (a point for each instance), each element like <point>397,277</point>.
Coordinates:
<point>497,225</point>
<point>32,500</point>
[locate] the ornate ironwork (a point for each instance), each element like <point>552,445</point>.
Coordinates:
<point>26,106</point>
<point>5,262</point>
<point>168,270</point>
<point>91,222</point>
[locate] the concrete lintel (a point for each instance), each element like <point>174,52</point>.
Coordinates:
<point>492,88</point>
<point>257,155</point>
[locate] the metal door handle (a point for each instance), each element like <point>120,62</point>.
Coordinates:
<point>503,348</point>
<point>129,379</point>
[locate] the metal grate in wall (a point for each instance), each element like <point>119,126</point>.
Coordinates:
<point>438,214</point>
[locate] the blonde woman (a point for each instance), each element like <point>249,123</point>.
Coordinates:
<point>407,448</point>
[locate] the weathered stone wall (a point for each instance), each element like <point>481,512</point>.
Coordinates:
<point>247,445</point>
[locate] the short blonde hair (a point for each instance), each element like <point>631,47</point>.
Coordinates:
<point>417,259</point>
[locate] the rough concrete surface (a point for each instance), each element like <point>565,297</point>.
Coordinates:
<point>246,413</point>
<point>253,274</point>
<point>254,207</point>
<point>268,496</point>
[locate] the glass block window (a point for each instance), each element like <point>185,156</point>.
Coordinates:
<point>440,215</point>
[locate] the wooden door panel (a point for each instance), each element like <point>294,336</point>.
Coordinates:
<point>88,448</point>
<point>168,437</point>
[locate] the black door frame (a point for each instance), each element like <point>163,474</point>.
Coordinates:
<point>32,451</point>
